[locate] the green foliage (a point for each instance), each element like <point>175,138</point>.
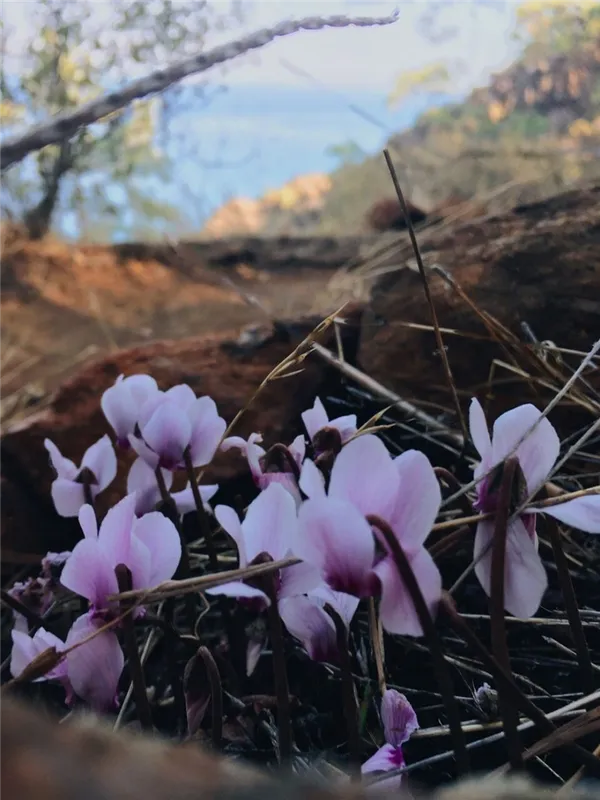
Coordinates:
<point>510,144</point>
<point>432,78</point>
<point>75,52</point>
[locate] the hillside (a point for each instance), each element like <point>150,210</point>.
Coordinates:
<point>533,131</point>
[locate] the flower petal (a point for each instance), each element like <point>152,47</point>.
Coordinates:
<point>582,513</point>
<point>115,531</point>
<point>298,579</point>
<point>185,502</point>
<point>344,604</point>
<point>364,474</point>
<point>89,573</point>
<point>537,454</point>
<point>417,501</point>
<point>479,429</point>
<point>88,522</point>
<point>525,576</point>
<point>271,522</point>
<point>122,402</point>
<point>385,759</point>
<point>168,433</point>
<point>183,395</point>
<point>94,668</point>
<point>141,448</point>
<point>306,620</point>
<point>335,537</point>
<point>315,418</point>
<point>398,717</point>
<point>312,481</point>
<point>207,429</point>
<point>65,468</point>
<point>238,590</point>
<point>398,614</point>
<point>100,458</point>
<point>67,496</point>
<point>164,545</point>
<point>297,449</point>
<point>230,522</point>
<point>142,480</point>
<point>346,425</point>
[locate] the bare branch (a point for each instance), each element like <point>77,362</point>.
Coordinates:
<point>64,126</point>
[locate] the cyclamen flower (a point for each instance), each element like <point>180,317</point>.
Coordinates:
<point>399,723</point>
<point>91,671</point>
<point>306,619</point>
<point>173,422</point>
<point>279,465</point>
<point>98,469</point>
<point>268,528</point>
<point>142,480</point>
<point>335,535</point>
<point>148,546</point>
<point>315,419</point>
<point>121,404</point>
<point>525,577</point>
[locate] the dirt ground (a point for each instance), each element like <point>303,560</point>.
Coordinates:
<point>63,305</point>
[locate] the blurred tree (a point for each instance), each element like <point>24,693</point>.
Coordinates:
<point>69,53</point>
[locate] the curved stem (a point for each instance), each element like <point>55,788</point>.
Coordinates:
<point>435,646</point>
<point>510,714</point>
<point>203,520</point>
<point>282,690</point>
<point>348,691</point>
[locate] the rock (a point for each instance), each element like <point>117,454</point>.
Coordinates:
<point>387,215</point>
<point>539,264</point>
<point>229,371</point>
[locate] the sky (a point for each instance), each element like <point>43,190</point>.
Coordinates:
<point>274,112</point>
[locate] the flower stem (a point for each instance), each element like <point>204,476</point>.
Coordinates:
<point>572,609</point>
<point>348,691</point>
<point>203,520</point>
<point>282,690</point>
<point>377,645</point>
<point>216,695</point>
<point>510,714</point>
<point>435,646</point>
<point>133,657</point>
<point>183,570</point>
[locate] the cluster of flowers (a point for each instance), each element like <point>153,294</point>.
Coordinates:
<point>321,508</point>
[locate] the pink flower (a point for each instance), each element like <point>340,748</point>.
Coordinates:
<point>306,619</point>
<point>149,547</point>
<point>335,535</point>
<point>142,480</point>
<point>121,404</point>
<point>27,648</point>
<point>269,527</point>
<point>279,465</point>
<point>399,723</point>
<point>98,469</point>
<point>525,576</point>
<point>169,423</point>
<point>91,671</point>
<point>315,420</point>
